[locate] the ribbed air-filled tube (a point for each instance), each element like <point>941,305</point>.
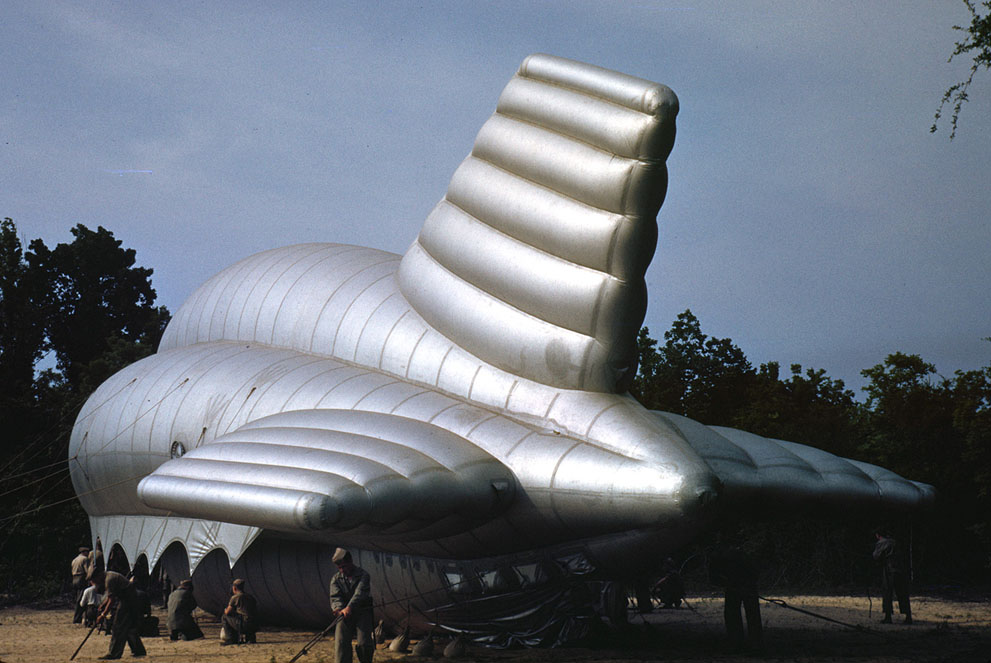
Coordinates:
<point>578,170</point>
<point>559,225</point>
<point>535,348</point>
<point>764,475</point>
<point>896,492</point>
<point>613,243</point>
<point>629,91</point>
<point>548,227</point>
<point>334,470</point>
<point>269,507</point>
<point>558,289</point>
<point>615,129</point>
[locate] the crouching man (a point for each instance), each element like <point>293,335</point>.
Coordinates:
<point>240,620</point>
<point>180,623</point>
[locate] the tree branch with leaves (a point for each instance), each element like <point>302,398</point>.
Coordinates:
<point>978,38</point>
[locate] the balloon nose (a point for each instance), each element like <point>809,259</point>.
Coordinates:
<point>699,493</point>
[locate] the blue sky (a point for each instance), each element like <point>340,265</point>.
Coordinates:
<point>811,216</point>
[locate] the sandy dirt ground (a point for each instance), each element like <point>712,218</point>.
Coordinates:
<point>944,630</point>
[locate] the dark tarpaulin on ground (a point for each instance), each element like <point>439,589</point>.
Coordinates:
<point>549,610</point>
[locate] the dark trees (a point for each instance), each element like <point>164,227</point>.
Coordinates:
<point>972,420</point>
<point>22,331</point>
<point>712,381</point>
<point>938,430</point>
<point>97,300</point>
<point>692,374</point>
<point>909,410</point>
<point>914,422</point>
<point>808,407</point>
<point>89,306</point>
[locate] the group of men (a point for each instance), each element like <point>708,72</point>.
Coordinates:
<point>110,600</point>
<point>114,600</point>
<point>736,573</point>
<point>351,602</point>
<point>88,570</point>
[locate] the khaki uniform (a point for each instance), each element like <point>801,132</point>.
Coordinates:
<point>79,567</point>
<point>243,621</point>
<point>355,592</point>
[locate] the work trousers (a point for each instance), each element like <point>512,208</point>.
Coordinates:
<point>748,601</point>
<point>125,629</point>
<point>189,631</point>
<point>357,627</point>
<point>894,584</point>
<point>79,585</point>
<point>236,628</point>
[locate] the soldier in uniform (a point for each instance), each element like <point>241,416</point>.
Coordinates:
<point>240,619</point>
<point>180,623</point>
<point>127,617</point>
<point>79,567</point>
<point>351,599</point>
<point>894,576</point>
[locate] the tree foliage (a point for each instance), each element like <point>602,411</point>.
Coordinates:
<point>977,40</point>
<point>89,306</point>
<point>923,426</point>
<point>94,285</point>
<point>808,407</point>
<point>22,331</point>
<point>692,374</point>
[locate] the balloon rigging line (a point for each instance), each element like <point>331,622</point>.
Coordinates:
<point>70,499</point>
<point>17,516</point>
<point>76,457</point>
<point>42,434</point>
<point>5,521</point>
<point>38,480</point>
<point>137,418</point>
<point>40,467</point>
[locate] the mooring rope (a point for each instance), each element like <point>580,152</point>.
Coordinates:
<point>856,627</point>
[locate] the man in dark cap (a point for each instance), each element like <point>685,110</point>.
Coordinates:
<point>240,619</point>
<point>894,576</point>
<point>127,617</point>
<point>79,566</point>
<point>351,599</point>
<point>180,623</point>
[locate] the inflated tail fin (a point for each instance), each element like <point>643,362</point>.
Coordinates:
<point>534,260</point>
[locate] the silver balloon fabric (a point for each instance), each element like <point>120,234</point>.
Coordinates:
<point>459,410</point>
<point>548,226</point>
